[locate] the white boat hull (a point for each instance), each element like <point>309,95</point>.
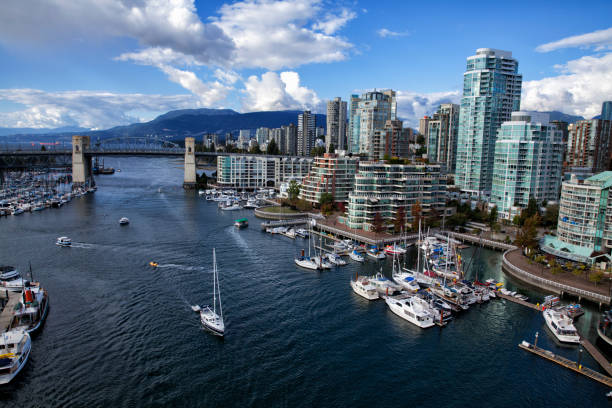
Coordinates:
<point>370,294</point>
<point>400,311</point>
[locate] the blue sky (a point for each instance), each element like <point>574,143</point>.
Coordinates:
<point>103,63</point>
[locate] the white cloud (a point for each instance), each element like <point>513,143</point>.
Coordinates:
<point>601,39</point>
<point>332,23</point>
<point>412,106</point>
<point>154,23</point>
<point>581,88</point>
<point>274,34</point>
<point>227,77</point>
<point>278,92</point>
<point>209,93</point>
<point>384,33</point>
<point>90,109</point>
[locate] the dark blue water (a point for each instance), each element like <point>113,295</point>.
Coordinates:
<point>121,333</point>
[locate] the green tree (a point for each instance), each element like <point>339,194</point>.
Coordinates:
<point>317,151</point>
<point>332,148</point>
<point>201,181</point>
<point>400,219</point>
<point>551,216</point>
<point>378,225</point>
<point>43,148</point>
<point>255,149</point>
<point>596,277</point>
<point>272,148</point>
<point>527,235</point>
<point>420,139</point>
<point>294,190</point>
<point>493,216</point>
<point>326,201</point>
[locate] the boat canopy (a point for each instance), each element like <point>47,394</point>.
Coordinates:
<point>242,220</point>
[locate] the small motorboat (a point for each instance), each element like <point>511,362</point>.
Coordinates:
<point>124,221</point>
<point>64,242</point>
<point>362,286</point>
<point>335,259</point>
<point>376,254</point>
<point>153,264</point>
<point>241,223</point>
<point>356,256</point>
<point>301,232</point>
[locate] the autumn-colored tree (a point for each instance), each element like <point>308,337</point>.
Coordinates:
<point>527,235</point>
<point>416,215</point>
<point>378,223</point>
<point>400,219</point>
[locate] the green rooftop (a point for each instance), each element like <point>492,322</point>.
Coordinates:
<point>603,179</point>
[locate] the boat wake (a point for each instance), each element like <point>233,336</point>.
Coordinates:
<point>82,245</point>
<point>182,267</point>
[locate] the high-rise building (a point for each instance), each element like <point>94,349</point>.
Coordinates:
<point>588,144</point>
<point>290,132</point>
<point>441,136</point>
<point>278,135</point>
<point>393,140</point>
<point>584,228</point>
<point>336,124</point>
<point>331,173</point>
<point>528,163</point>
<point>262,135</point>
<point>353,123</point>
<point>306,133</point>
<point>491,92</point>
<point>606,110</point>
<point>373,110</point>
<point>424,126</point>
<point>384,188</point>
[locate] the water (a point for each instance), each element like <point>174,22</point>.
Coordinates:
<point>121,333</point>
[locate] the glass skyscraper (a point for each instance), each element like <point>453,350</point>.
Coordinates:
<point>368,113</point>
<point>491,92</point>
<point>606,110</point>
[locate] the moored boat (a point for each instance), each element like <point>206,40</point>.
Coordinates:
<point>361,285</point>
<point>15,347</point>
<point>411,308</point>
<point>356,256</point>
<point>561,326</point>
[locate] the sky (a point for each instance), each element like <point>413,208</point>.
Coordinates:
<point>103,63</point>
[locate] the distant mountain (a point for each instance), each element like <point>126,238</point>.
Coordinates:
<point>556,115</point>
<point>40,131</point>
<point>197,122</point>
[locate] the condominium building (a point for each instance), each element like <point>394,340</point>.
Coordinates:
<point>249,172</point>
<point>369,112</point>
<point>290,133</point>
<point>306,133</point>
<point>424,126</point>
<point>336,124</point>
<point>491,92</point>
<point>606,110</point>
<point>528,163</point>
<point>332,173</point>
<point>278,135</point>
<point>584,229</point>
<point>588,144</point>
<point>262,135</point>
<point>393,140</point>
<point>441,136</point>
<point>384,188</point>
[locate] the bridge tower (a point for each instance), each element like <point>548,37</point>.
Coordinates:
<point>190,163</point>
<point>81,164</point>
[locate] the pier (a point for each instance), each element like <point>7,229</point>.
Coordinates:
<point>485,243</point>
<point>337,233</point>
<point>518,301</point>
<point>596,354</point>
<point>283,223</point>
<point>567,363</point>
<point>6,315</point>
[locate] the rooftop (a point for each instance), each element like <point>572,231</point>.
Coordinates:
<point>603,179</point>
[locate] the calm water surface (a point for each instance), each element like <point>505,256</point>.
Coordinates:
<point>122,334</point>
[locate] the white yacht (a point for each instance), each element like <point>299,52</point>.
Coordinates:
<point>561,326</point>
<point>335,259</point>
<point>32,311</point>
<point>356,256</point>
<point>412,308</point>
<point>363,287</point>
<point>233,207</point>
<point>209,317</point>
<point>307,263</point>
<point>124,221</point>
<point>64,241</point>
<point>375,253</point>
<point>406,280</point>
<point>15,349</point>
<point>301,232</point>
<point>8,272</point>
<point>251,204</point>
<point>384,285</point>
<point>14,283</point>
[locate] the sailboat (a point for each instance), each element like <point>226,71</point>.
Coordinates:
<point>308,262</point>
<point>209,317</point>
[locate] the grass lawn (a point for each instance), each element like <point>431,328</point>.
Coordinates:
<point>278,210</point>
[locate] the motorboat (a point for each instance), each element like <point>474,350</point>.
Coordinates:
<point>385,285</point>
<point>574,310</point>
<point>394,250</point>
<point>413,309</point>
<point>561,326</point>
<point>8,272</point>
<point>406,280</point>
<point>290,233</point>
<point>14,283</point>
<point>153,264</point>
<point>32,311</point>
<point>335,259</point>
<point>232,207</point>
<point>301,232</point>
<point>307,263</point>
<point>64,242</point>
<point>251,204</point>
<point>209,317</point>
<point>375,253</point>
<point>15,347</point>
<point>241,223</point>
<point>356,256</point>
<point>124,221</point>
<point>363,287</point>
<point>322,262</point>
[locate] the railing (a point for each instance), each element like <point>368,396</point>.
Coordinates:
<point>557,285</point>
<point>478,240</point>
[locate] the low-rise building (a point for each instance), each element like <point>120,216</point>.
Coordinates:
<point>332,173</point>
<point>384,188</point>
<point>257,171</point>
<point>584,229</point>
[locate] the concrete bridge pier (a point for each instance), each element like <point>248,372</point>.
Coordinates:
<point>189,181</point>
<point>81,164</point>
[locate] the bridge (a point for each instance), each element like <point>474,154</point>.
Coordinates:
<point>79,155</point>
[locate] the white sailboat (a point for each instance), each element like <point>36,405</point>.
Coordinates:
<point>209,317</point>
<point>307,262</point>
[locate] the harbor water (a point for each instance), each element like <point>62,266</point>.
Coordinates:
<point>121,333</point>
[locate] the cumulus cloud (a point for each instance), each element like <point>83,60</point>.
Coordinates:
<point>278,92</point>
<point>89,109</point>
<point>412,106</point>
<point>332,23</point>
<point>154,23</point>
<point>601,39</point>
<point>275,34</point>
<point>581,87</point>
<point>384,33</point>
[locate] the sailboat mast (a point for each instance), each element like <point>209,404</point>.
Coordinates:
<point>418,269</point>
<point>218,289</point>
<point>214,281</point>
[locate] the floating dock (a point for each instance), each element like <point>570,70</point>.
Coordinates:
<point>283,223</point>
<point>6,316</point>
<point>519,301</point>
<point>567,363</point>
<point>596,354</point>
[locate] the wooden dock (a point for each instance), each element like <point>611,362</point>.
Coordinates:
<point>567,363</point>
<point>596,354</point>
<point>7,313</point>
<point>284,223</point>
<point>519,301</point>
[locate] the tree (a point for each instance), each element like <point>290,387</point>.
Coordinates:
<point>212,147</point>
<point>43,148</point>
<point>255,149</point>
<point>527,235</point>
<point>416,215</point>
<point>326,201</point>
<point>378,224</point>
<point>551,216</point>
<point>332,148</point>
<point>294,190</point>
<point>400,219</point>
<point>530,211</point>
<point>317,151</point>
<point>272,148</point>
<point>420,139</point>
<point>493,216</point>
<point>596,277</point>
<point>201,181</point>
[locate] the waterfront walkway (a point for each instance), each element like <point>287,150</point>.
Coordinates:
<point>341,231</point>
<point>517,265</point>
